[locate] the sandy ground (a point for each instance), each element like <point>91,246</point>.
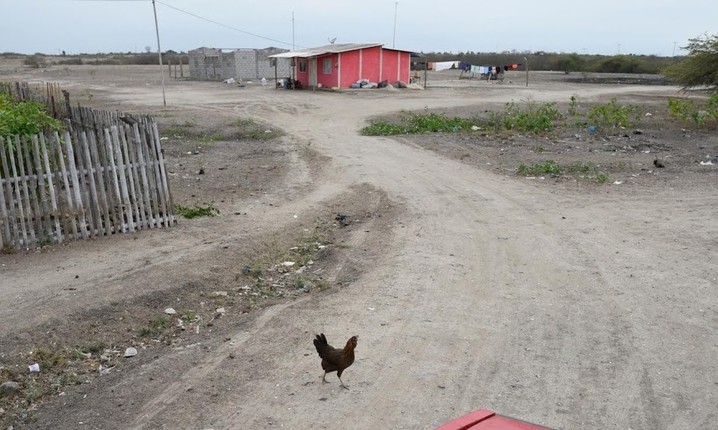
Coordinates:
<point>579,306</point>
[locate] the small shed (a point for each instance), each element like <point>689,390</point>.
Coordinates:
<point>341,65</point>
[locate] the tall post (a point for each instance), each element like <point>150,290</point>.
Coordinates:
<point>293,48</point>
<point>526,60</point>
<point>159,53</point>
<point>393,39</point>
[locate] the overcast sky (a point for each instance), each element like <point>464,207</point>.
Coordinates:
<point>596,27</point>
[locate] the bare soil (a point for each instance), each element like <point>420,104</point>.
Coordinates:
<point>555,299</point>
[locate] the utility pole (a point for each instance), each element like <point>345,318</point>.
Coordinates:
<point>674,48</point>
<point>159,53</point>
<point>293,31</point>
<point>393,40</point>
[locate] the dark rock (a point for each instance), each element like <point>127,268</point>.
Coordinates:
<point>9,388</point>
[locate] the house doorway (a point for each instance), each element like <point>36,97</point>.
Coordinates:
<point>313,72</point>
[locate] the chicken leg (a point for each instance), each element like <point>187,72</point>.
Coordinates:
<point>342,384</point>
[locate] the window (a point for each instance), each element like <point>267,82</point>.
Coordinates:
<point>327,66</point>
<point>303,66</point>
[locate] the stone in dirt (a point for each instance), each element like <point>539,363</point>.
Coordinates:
<point>9,388</point>
<point>130,352</point>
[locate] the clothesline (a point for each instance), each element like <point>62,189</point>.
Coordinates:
<point>467,67</point>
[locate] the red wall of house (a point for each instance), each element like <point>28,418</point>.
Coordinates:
<point>360,64</point>
<point>375,64</point>
<point>371,60</point>
<point>350,67</point>
<point>327,80</point>
<point>395,66</point>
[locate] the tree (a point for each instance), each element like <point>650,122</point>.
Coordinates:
<point>700,67</point>
<point>568,63</point>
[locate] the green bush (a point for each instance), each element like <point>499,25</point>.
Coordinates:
<point>534,119</point>
<point>687,110</point>
<point>24,118</point>
<point>611,116</point>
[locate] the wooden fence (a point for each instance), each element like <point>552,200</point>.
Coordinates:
<point>55,98</point>
<point>104,178</point>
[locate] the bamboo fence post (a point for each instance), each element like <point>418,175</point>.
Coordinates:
<point>141,177</point>
<point>102,181</point>
<point>167,200</point>
<point>146,180</point>
<point>32,181</point>
<point>120,168</point>
<point>51,188</point>
<point>94,201</point>
<point>65,181</point>
<point>18,197</point>
<point>4,184</point>
<point>86,207</point>
<point>127,167</point>
<point>149,168</point>
<point>118,196</point>
<point>46,224</point>
<point>76,184</point>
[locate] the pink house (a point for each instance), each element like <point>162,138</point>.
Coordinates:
<point>341,65</point>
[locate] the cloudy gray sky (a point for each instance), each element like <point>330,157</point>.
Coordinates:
<point>596,27</point>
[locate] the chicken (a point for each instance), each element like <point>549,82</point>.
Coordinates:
<point>334,359</point>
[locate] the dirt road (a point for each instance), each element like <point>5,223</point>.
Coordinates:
<point>567,309</point>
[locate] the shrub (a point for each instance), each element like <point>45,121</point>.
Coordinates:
<point>534,119</point>
<point>687,110</point>
<point>24,118</point>
<point>611,116</point>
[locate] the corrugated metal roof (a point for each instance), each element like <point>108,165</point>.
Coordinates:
<point>326,49</point>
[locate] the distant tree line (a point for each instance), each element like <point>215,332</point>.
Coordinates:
<point>573,62</point>
<point>40,60</point>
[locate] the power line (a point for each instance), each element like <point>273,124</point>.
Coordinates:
<point>208,20</point>
<point>223,25</point>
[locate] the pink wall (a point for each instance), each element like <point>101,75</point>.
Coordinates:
<point>375,64</point>
<point>395,66</point>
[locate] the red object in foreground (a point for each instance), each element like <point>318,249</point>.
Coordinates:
<point>484,419</point>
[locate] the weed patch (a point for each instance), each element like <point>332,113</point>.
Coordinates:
<point>585,172</point>
<point>417,124</point>
<point>196,211</point>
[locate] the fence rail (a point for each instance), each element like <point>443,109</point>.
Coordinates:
<point>79,184</point>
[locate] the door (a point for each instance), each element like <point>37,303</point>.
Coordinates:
<point>313,72</point>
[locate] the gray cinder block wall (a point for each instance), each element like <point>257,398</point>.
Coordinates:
<point>246,64</point>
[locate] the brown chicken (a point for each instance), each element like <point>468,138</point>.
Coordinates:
<point>334,359</point>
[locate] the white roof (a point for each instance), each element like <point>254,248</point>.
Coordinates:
<point>326,49</point>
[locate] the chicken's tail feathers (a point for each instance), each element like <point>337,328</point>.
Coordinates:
<point>320,343</point>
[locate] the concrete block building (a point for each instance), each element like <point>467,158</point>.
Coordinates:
<point>247,64</point>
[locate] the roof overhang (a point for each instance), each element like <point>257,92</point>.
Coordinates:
<point>324,50</point>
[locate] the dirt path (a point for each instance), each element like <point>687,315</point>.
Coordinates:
<point>569,310</point>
